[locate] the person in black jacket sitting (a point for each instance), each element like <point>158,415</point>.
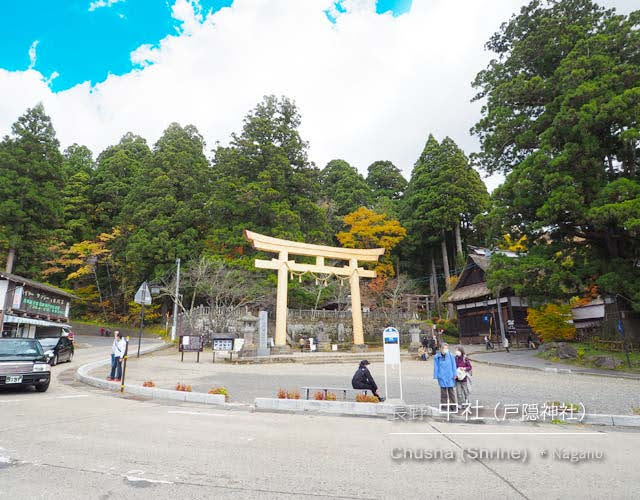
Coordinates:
<point>362,379</point>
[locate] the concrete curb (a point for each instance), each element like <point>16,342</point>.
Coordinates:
<point>337,408</point>
<point>329,407</point>
<point>551,369</point>
<point>382,410</point>
<point>82,375</point>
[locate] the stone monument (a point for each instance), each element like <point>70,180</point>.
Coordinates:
<point>324,343</point>
<point>263,321</point>
<point>340,332</point>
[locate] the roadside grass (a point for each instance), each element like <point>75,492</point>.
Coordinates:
<point>586,349</point>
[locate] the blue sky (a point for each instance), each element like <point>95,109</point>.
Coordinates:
<point>80,44</point>
<point>371,84</point>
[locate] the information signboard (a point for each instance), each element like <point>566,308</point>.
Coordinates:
<point>223,344</point>
<point>391,348</point>
<point>391,343</point>
<point>193,343</point>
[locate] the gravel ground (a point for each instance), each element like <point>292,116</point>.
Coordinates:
<point>491,384</point>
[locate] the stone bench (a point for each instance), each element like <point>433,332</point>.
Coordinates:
<point>335,390</point>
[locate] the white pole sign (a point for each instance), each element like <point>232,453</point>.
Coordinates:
<point>391,343</point>
<point>143,295</point>
<point>391,346</point>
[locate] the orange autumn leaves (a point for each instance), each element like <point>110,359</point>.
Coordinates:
<point>368,229</point>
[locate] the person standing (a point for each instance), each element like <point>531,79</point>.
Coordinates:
<point>505,343</point>
<point>463,374</point>
<point>444,371</point>
<point>302,343</point>
<point>362,379</point>
<point>487,343</point>
<point>117,354</point>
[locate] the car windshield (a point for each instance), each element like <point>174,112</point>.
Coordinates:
<point>20,347</point>
<point>48,343</point>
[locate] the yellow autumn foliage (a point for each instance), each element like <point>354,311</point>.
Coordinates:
<point>509,243</point>
<point>368,229</point>
<point>551,322</point>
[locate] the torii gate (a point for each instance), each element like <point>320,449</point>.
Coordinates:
<point>283,265</point>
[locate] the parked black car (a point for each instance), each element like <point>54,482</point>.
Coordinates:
<point>57,349</point>
<point>22,363</point>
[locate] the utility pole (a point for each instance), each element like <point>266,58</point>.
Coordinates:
<point>143,297</point>
<point>499,307</point>
<point>141,328</point>
<point>175,303</point>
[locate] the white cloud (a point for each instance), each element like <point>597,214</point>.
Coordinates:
<point>369,86</point>
<point>98,4</point>
<point>32,54</point>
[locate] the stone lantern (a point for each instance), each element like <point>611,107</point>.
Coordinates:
<point>248,329</point>
<point>414,331</point>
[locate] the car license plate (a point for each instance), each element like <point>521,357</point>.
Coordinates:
<point>15,379</point>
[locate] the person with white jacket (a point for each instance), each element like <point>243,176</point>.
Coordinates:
<point>117,355</point>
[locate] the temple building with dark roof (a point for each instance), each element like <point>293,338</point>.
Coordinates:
<point>477,307</point>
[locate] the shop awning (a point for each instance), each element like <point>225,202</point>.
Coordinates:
<point>8,318</point>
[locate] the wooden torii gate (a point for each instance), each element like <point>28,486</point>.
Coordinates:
<point>285,248</point>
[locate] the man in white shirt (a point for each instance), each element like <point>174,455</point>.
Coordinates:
<point>117,354</point>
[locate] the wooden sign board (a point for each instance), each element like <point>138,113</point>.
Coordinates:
<point>191,343</point>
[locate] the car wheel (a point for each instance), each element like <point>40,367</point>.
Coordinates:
<point>42,387</point>
<point>70,357</point>
<point>54,361</point>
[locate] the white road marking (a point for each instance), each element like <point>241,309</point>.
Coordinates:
<point>11,400</point>
<point>142,479</point>
<point>198,413</point>
<point>73,396</point>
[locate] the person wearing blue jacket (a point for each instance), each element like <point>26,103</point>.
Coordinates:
<point>444,371</point>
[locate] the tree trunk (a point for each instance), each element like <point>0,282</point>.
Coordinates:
<point>447,276</point>
<point>499,307</point>
<point>445,259</point>
<point>10,259</point>
<point>458,239</point>
<point>434,285</point>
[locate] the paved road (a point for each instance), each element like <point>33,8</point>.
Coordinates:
<point>78,442</point>
<point>528,358</point>
<point>491,384</point>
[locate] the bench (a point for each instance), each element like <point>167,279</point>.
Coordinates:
<point>335,390</point>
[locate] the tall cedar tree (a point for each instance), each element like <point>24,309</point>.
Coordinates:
<point>386,180</point>
<point>30,183</point>
<point>561,119</point>
<point>344,191</point>
<point>444,192</point>
<point>166,213</point>
<point>265,182</point>
<point>76,194</point>
<point>388,186</point>
<point>114,177</point>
